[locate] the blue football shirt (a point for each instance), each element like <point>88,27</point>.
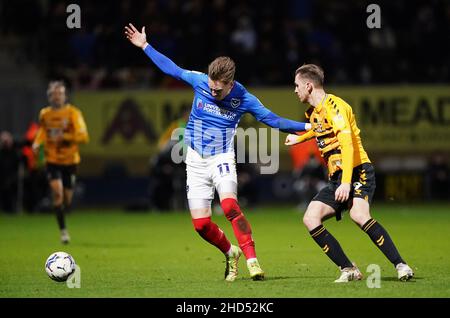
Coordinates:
<point>212,123</point>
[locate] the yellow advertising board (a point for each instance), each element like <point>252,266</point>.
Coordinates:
<point>125,124</point>
<point>394,119</point>
<point>402,119</point>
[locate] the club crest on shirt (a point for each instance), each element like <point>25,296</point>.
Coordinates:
<point>235,102</point>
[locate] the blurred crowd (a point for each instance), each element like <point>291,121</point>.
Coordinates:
<point>23,183</point>
<point>268,39</point>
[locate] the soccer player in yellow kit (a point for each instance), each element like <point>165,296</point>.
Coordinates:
<point>351,175</point>
<point>62,128</point>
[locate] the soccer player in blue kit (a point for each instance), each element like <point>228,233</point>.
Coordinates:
<point>219,103</point>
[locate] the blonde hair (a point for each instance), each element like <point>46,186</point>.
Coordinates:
<point>222,69</point>
<point>54,84</point>
<point>312,72</point>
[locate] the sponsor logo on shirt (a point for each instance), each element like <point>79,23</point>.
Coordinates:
<point>215,110</point>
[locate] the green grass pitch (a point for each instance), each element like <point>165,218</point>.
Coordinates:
<point>160,255</point>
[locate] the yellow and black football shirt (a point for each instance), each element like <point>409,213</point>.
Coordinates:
<point>337,135</point>
<point>61,130</point>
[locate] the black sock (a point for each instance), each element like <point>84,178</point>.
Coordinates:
<point>330,246</point>
<point>381,238</point>
<point>59,210</point>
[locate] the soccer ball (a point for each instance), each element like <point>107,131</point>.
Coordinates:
<point>59,266</point>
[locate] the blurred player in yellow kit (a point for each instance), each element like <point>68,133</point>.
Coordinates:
<point>351,175</point>
<point>62,128</point>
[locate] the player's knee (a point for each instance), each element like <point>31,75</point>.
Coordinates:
<point>308,221</point>
<point>311,219</point>
<point>359,217</point>
<point>57,197</point>
<point>201,225</point>
<point>230,208</point>
<point>67,201</point>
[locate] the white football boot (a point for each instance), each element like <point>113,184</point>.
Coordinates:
<point>65,237</point>
<point>256,273</point>
<point>349,274</point>
<point>405,272</point>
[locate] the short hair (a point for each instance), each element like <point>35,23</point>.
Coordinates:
<point>312,72</point>
<point>222,69</point>
<point>54,84</point>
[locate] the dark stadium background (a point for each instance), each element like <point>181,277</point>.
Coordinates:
<point>396,77</point>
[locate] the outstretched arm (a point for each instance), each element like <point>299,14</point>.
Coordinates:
<point>165,64</point>
<point>284,124</point>
<point>293,139</point>
<point>264,115</point>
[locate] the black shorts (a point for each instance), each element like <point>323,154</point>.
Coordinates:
<point>363,186</point>
<point>67,173</point>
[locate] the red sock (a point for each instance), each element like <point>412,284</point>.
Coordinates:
<point>211,233</point>
<point>241,227</point>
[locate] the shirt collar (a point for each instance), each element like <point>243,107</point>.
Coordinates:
<point>318,108</point>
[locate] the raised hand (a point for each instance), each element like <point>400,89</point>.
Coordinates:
<point>134,36</point>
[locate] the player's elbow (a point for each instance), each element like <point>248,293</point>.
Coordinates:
<point>348,148</point>
<point>172,71</point>
<point>345,138</point>
<point>346,145</point>
<point>82,139</point>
